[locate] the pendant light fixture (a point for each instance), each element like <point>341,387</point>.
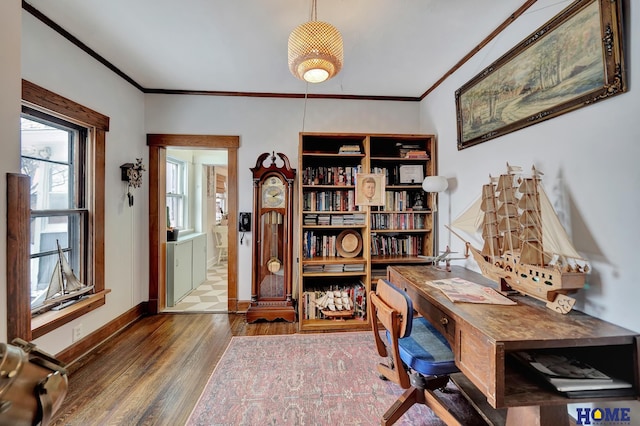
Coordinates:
<point>315,50</point>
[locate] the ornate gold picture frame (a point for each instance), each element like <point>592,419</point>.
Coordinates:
<point>573,60</point>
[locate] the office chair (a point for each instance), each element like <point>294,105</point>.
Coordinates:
<point>419,357</point>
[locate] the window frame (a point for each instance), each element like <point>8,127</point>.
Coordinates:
<point>182,195</point>
<point>19,321</point>
<point>75,211</point>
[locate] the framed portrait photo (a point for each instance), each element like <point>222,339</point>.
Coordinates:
<point>370,189</point>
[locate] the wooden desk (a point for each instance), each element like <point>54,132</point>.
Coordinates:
<point>482,336</point>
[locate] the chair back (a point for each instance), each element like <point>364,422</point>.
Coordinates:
<point>391,307</point>
<point>221,234</point>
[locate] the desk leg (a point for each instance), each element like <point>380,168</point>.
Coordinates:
<point>547,415</point>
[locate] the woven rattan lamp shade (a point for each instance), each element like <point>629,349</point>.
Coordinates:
<point>315,51</point>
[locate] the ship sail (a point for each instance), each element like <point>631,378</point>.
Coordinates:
<point>63,286</point>
<point>508,225</point>
<point>490,232</point>
<point>524,244</point>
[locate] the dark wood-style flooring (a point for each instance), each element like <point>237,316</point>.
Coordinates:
<point>153,372</point>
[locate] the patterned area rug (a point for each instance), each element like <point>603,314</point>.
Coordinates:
<point>307,379</point>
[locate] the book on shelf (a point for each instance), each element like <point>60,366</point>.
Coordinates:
<point>336,175</point>
<point>385,245</point>
<point>417,154</point>
<point>568,374</point>
<point>357,267</point>
<point>349,149</point>
<point>310,219</point>
<point>405,148</point>
<point>334,267</point>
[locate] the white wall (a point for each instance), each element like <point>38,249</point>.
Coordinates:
<point>266,125</point>
<point>10,87</point>
<point>52,62</point>
<point>592,153</point>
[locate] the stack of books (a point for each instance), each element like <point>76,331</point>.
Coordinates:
<point>356,267</point>
<point>334,267</point>
<point>359,218</point>
<point>418,154</point>
<point>337,220</point>
<point>310,219</point>
<point>324,219</point>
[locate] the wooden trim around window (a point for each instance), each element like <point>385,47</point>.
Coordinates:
<point>18,248</point>
<point>19,321</point>
<point>63,107</point>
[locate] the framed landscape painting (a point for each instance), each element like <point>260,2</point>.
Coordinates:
<point>572,61</point>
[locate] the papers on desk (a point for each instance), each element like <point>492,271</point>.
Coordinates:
<point>569,375</point>
<point>460,290</point>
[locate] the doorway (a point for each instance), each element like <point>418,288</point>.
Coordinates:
<point>158,144</point>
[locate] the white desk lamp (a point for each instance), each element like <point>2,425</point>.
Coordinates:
<point>434,184</point>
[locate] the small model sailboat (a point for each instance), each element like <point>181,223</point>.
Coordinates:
<point>525,246</point>
<point>63,287</point>
<point>335,303</point>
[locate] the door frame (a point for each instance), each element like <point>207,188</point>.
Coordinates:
<point>158,144</point>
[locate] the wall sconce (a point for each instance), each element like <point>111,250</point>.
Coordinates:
<point>132,174</point>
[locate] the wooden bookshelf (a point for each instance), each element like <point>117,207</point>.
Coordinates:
<point>397,233</point>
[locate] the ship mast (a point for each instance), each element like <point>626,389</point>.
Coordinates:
<point>508,226</point>
<point>531,221</point>
<point>490,234</point>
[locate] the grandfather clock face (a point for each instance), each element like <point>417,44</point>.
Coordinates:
<point>273,192</point>
<point>272,261</point>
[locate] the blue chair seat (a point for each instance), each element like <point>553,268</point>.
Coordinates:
<point>426,350</point>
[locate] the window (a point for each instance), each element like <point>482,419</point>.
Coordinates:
<point>176,193</point>
<point>67,197</point>
<point>221,198</point>
<point>53,156</point>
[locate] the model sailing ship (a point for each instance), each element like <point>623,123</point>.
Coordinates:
<point>63,288</point>
<point>525,246</point>
<point>335,304</point>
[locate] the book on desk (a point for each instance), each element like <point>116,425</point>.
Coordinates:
<point>572,377</point>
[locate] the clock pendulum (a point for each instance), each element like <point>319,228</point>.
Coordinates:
<point>274,264</point>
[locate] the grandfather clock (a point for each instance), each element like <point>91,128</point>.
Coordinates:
<point>272,268</point>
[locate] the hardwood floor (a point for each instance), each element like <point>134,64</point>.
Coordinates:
<point>153,372</point>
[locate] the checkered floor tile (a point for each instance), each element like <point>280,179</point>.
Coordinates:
<point>210,296</point>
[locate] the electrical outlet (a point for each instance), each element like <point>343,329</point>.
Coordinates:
<point>77,333</point>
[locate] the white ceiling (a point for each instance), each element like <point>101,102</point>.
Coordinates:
<point>391,47</point>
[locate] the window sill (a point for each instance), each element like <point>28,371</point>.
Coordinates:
<point>49,321</point>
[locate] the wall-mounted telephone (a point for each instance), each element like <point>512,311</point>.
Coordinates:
<point>244,223</point>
